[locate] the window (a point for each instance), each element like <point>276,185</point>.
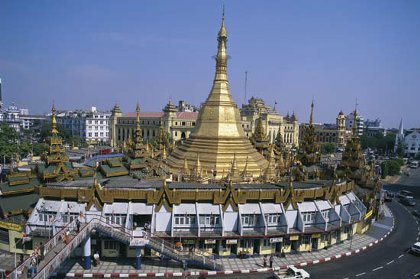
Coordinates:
<point>325,213</point>
<point>111,244</point>
<point>184,219</point>
<point>209,220</point>
<point>249,220</point>
<point>307,239</point>
<point>308,217</point>
<point>272,218</point>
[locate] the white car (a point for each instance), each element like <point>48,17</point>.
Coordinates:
<point>415,248</point>
<point>291,272</point>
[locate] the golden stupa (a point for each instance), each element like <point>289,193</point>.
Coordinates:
<point>218,136</point>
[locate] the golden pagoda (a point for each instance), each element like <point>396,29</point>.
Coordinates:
<point>310,150</point>
<point>218,135</point>
<point>57,166</point>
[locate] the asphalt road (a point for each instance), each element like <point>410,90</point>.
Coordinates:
<point>389,259</point>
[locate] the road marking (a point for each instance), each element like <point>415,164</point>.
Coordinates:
<point>375,269</point>
<point>360,274</point>
<point>390,262</point>
<point>402,255</point>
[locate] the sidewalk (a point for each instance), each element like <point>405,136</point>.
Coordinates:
<point>155,267</point>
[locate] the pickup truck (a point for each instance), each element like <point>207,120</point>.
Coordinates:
<point>291,272</point>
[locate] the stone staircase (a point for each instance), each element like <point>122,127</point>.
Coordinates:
<point>62,244</point>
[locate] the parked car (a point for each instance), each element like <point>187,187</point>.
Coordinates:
<point>415,249</point>
<point>408,201</point>
<point>416,213</point>
<point>405,194</point>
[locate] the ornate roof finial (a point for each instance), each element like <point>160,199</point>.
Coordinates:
<point>137,139</point>
<point>354,128</point>
<point>198,167</point>
<point>221,57</point>
<point>54,130</point>
<point>222,32</point>
<point>234,167</point>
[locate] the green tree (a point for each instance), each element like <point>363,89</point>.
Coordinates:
<point>379,142</point>
<point>39,148</point>
<point>9,141</point>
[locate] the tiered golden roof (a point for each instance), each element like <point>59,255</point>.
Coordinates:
<point>310,150</point>
<point>219,134</point>
<point>57,167</point>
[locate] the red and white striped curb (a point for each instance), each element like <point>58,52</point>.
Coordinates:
<point>225,272</point>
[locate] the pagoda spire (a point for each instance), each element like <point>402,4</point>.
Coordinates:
<point>138,130</point>
<point>54,130</point>
<point>354,128</point>
<point>311,117</point>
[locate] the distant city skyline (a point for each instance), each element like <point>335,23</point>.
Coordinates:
<point>98,53</point>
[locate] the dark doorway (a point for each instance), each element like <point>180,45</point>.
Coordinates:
<point>314,244</point>
<point>294,245</point>
<point>256,249</point>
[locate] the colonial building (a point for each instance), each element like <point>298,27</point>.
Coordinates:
<point>272,122</point>
<point>412,144</point>
<point>329,133</point>
<point>177,122</point>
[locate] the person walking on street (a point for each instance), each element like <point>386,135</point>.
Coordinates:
<point>271,261</point>
<point>265,261</point>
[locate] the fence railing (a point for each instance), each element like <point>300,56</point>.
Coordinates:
<point>46,269</point>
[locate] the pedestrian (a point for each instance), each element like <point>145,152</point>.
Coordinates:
<point>271,261</point>
<point>41,251</point>
<point>265,261</point>
<point>97,258</point>
<point>77,225</point>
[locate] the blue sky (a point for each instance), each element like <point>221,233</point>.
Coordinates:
<point>97,53</point>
